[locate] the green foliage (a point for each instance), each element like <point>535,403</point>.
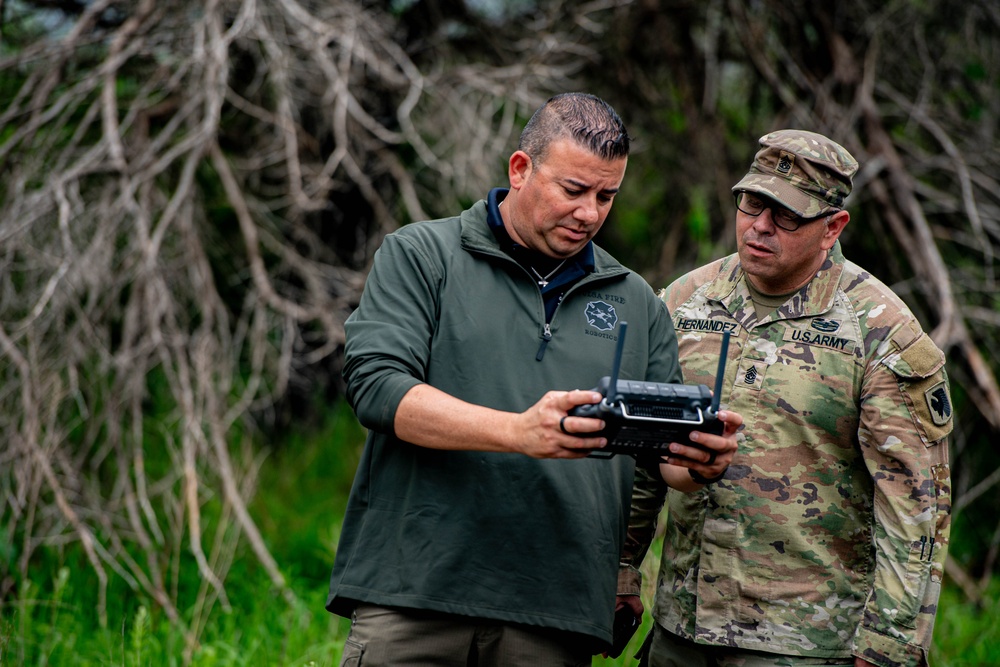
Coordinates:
<point>967,634</point>
<point>302,492</point>
<point>632,226</point>
<point>140,632</point>
<point>699,224</point>
<point>262,630</point>
<point>734,103</point>
<point>38,626</point>
<point>303,487</point>
<point>20,28</point>
<point>649,568</point>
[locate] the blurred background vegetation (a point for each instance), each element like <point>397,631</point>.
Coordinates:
<point>191,195</point>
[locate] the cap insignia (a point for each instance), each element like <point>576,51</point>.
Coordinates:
<point>785,162</point>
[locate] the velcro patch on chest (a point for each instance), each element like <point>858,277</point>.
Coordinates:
<point>699,325</point>
<point>820,339</point>
<point>751,374</point>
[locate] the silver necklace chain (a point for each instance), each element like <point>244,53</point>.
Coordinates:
<point>544,280</point>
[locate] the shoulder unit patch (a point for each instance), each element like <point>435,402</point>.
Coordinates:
<point>939,403</point>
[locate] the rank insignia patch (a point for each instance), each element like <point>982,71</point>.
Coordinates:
<point>785,162</point>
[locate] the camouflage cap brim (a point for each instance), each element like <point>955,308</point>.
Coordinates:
<point>786,194</point>
<point>803,171</point>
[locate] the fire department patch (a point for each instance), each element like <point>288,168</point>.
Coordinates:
<point>601,315</point>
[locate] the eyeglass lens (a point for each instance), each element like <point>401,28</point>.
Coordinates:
<point>754,206</point>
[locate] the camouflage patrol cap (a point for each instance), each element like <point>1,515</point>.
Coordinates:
<point>803,171</point>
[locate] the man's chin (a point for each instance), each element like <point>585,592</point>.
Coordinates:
<point>569,247</point>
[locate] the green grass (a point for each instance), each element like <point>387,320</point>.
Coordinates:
<point>966,635</point>
<point>263,630</point>
<point>50,619</point>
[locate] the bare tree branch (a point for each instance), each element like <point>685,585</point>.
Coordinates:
<point>173,182</point>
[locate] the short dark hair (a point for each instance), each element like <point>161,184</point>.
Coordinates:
<point>587,119</point>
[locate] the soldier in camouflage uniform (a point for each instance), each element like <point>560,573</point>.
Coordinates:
<point>825,541</point>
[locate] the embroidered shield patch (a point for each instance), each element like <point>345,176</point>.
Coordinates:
<point>601,315</point>
<point>939,403</point>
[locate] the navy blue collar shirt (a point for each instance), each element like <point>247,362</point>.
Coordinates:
<point>553,276</point>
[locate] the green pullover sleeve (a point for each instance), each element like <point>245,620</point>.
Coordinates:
<point>389,333</point>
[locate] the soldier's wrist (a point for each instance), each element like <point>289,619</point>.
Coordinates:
<point>701,479</point>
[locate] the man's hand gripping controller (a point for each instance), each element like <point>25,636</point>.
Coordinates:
<point>643,418</point>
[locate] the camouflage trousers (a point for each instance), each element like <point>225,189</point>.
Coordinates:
<point>665,649</point>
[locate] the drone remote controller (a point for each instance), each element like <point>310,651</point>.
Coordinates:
<point>643,418</point>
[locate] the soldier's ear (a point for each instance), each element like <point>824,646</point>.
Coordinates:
<point>834,226</point>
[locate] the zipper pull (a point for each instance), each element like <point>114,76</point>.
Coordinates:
<point>546,337</point>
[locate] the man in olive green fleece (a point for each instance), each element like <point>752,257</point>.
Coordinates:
<point>825,542</point>
<point>478,532</point>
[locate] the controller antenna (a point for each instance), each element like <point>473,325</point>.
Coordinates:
<point>713,409</point>
<point>617,366</point>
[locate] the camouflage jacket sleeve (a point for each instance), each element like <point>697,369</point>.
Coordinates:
<point>905,421</point>
<point>648,495</point>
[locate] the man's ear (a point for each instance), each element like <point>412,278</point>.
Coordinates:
<point>518,169</point>
<point>838,221</point>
